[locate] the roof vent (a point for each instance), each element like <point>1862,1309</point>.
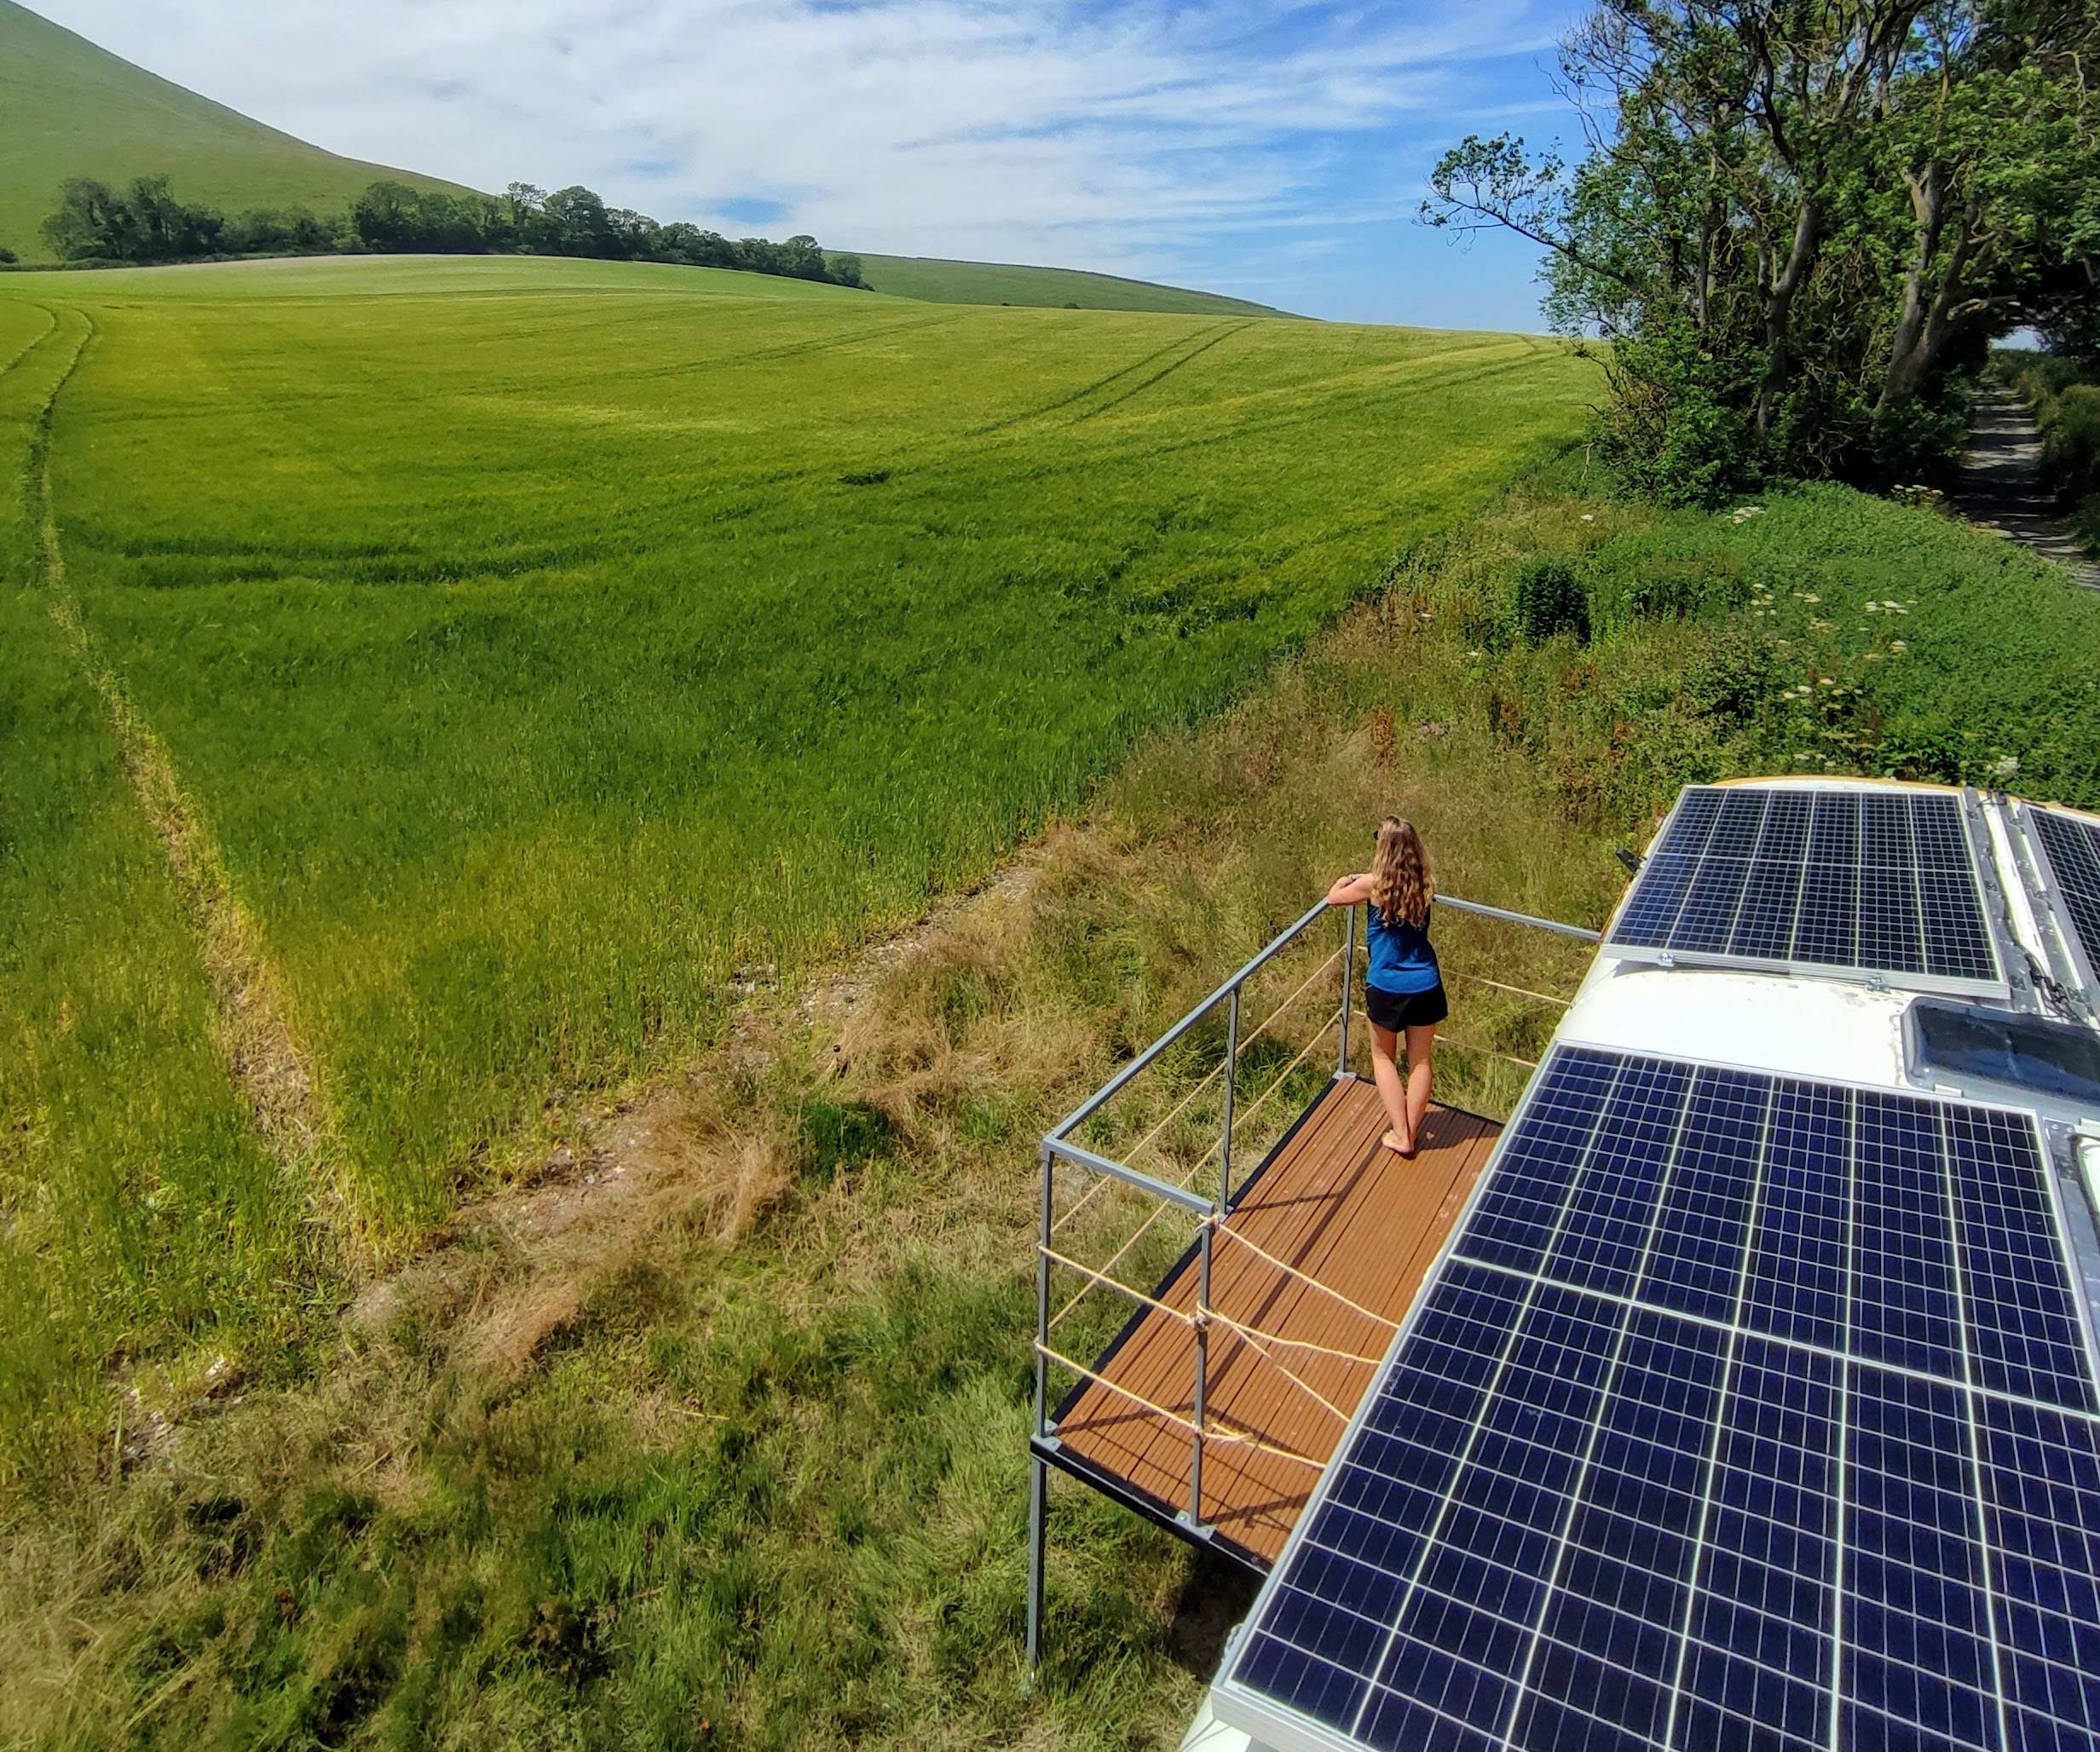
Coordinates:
<point>1964,1043</point>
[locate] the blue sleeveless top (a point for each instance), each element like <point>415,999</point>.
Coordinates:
<point>1401,958</point>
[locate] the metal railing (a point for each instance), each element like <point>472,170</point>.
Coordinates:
<point>1059,1147</point>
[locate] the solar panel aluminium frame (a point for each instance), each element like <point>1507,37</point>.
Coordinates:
<point>1892,979</point>
<point>1278,1728</point>
<point>2077,957</point>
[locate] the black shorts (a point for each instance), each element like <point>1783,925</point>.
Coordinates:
<point>1404,1010</point>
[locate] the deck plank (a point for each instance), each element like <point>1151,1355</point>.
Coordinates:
<point>1344,1212</point>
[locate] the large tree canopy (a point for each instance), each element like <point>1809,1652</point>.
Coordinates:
<point>1799,221</point>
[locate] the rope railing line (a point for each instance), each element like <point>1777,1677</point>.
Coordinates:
<point>1160,1210</point>
<point>1247,1337</point>
<point>1514,991</point>
<point>1277,1338</point>
<point>1087,1197</point>
<point>1487,1052</point>
<point>1099,1278</point>
<point>1221,1432</point>
<point>1291,1271</point>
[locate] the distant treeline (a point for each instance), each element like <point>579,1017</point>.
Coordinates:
<point>145,222</point>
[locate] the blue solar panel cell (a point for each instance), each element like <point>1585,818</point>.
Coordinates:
<point>1515,1219</point>
<point>1903,1262</point>
<point>1827,925</point>
<point>1608,1643</point>
<point>1651,914</point>
<point>1958,942</point>
<point>1696,1255</point>
<point>1612,1205</point>
<point>1797,1287</point>
<point>1759,1653</point>
<point>1891,930</point>
<point>1764,922</point>
<point>1707,916</point>
<point>2024,1330</point>
<point>1916,1633</point>
<point>2042,1479</point>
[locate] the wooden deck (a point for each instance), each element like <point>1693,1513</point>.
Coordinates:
<point>1340,1208</point>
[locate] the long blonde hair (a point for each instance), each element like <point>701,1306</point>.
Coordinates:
<point>1400,887</point>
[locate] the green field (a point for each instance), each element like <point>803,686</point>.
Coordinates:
<point>537,644</point>
<point>943,282</point>
<point>68,108</point>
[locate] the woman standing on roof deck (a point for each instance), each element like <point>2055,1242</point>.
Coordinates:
<point>1403,987</point>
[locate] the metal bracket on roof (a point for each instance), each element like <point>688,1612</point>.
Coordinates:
<point>2012,955</point>
<point>2063,984</point>
<point>2068,1147</point>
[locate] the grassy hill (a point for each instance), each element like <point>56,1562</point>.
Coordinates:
<point>943,282</point>
<point>68,108</point>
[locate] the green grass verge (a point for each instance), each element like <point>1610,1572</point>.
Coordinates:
<point>68,108</point>
<point>764,1485</point>
<point>939,281</point>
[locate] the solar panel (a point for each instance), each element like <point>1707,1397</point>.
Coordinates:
<point>2072,845</point>
<point>1745,1411</point>
<point>1879,881</point>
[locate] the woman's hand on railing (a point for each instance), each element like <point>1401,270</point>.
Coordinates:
<point>1349,891</point>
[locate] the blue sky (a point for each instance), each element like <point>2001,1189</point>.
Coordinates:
<point>1273,151</point>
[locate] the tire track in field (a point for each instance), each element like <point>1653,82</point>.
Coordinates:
<point>267,1067</point>
<point>1166,370</point>
<point>1082,392</point>
<point>50,322</point>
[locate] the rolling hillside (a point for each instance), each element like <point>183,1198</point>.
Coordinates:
<point>68,108</point>
<point>943,282</point>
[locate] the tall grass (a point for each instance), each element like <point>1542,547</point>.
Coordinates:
<point>541,660</point>
<point>140,1218</point>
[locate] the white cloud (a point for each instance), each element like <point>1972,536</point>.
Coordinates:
<point>1125,136</point>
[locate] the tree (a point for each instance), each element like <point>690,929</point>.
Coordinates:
<point>1799,221</point>
<point>387,217</point>
<point>800,257</point>
<point>634,236</point>
<point>145,223</point>
<point>580,225</point>
<point>757,255</point>
<point>92,222</point>
<point>846,270</point>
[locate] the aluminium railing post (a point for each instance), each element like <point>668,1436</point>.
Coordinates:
<point>1038,1510</point>
<point>1348,973</point>
<point>1039,1472</point>
<point>1232,1076</point>
<point>1203,1372</point>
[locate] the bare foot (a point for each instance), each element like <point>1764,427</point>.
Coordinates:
<point>1405,1152</point>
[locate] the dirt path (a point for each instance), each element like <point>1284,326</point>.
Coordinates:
<point>2002,488</point>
